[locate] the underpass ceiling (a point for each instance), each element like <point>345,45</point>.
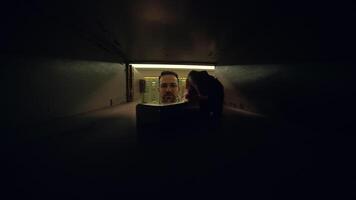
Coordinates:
<point>182,31</point>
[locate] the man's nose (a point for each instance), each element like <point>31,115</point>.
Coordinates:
<point>169,88</point>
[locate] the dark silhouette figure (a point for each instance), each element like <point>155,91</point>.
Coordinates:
<point>208,92</point>
<point>181,138</point>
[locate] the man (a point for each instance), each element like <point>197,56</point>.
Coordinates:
<point>168,87</point>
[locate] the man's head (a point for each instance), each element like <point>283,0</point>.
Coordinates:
<point>168,87</point>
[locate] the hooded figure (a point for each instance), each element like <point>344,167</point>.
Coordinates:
<point>208,92</point>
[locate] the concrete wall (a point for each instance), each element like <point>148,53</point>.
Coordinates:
<point>42,88</point>
<point>288,90</point>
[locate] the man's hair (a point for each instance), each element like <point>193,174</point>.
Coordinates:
<point>164,73</point>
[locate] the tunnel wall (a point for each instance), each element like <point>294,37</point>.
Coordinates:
<point>293,90</point>
<point>42,88</point>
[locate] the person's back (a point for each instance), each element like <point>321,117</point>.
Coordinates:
<point>210,94</point>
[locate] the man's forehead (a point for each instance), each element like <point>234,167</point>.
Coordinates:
<point>169,78</point>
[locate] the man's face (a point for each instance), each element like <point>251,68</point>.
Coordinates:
<point>168,89</point>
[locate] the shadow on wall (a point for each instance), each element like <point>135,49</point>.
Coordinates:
<point>288,90</point>
<point>45,88</point>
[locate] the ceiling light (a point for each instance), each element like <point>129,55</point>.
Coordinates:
<point>164,66</point>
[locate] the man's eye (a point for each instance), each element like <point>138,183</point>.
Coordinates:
<point>163,86</point>
<point>173,85</point>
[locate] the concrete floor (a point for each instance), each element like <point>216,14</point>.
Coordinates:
<point>95,155</point>
<point>92,151</point>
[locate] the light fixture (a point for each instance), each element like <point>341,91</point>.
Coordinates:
<point>164,66</point>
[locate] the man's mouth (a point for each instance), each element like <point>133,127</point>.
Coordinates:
<point>168,98</point>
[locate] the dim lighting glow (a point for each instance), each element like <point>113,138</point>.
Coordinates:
<point>164,66</point>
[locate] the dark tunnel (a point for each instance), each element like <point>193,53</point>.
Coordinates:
<point>81,120</point>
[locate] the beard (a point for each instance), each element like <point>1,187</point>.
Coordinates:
<point>169,98</point>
